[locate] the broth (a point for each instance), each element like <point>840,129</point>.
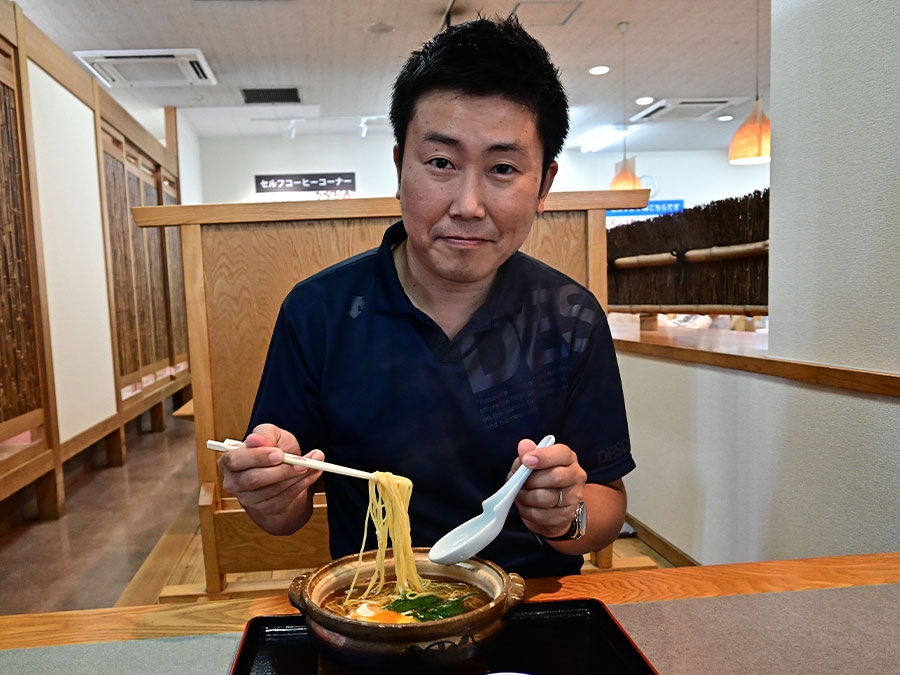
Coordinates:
<point>440,600</point>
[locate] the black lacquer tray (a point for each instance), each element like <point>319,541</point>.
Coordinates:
<point>542,638</point>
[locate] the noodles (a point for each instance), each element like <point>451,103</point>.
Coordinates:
<point>409,597</point>
<point>389,511</point>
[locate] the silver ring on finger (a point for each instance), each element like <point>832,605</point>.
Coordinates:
<point>559,499</point>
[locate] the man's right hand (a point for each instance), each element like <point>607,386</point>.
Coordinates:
<point>277,496</point>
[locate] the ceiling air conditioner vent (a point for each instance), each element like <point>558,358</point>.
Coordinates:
<point>696,109</point>
<point>271,95</point>
<point>149,67</point>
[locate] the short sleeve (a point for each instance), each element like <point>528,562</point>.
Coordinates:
<point>289,389</point>
<point>594,422</point>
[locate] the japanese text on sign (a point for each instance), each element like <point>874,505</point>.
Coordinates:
<point>654,208</point>
<point>306,182</point>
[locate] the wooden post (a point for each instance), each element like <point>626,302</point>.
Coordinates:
<point>114,442</point>
<point>158,417</point>
<point>649,321</point>
<point>596,255</point>
<point>180,397</point>
<point>602,559</point>
<point>51,493</point>
<point>215,578</point>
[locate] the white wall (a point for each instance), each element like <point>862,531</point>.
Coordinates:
<point>697,177</point>
<point>71,229</point>
<point>229,164</point>
<point>190,170</point>
<point>734,466</point>
<point>835,217</point>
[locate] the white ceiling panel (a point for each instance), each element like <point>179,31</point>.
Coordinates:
<point>674,48</point>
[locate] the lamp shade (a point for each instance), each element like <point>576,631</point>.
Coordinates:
<point>752,142</point>
<point>625,178</point>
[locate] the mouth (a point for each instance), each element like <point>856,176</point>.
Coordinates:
<point>464,241</point>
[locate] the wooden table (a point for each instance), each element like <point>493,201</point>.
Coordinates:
<point>156,621</point>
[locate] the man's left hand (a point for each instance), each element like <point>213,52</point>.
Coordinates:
<point>549,497</point>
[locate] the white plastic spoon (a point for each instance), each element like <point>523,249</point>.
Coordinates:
<point>462,542</point>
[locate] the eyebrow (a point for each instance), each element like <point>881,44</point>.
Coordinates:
<point>437,137</point>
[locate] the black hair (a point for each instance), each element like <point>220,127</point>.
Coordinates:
<point>486,57</point>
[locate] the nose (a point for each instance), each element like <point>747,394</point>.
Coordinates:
<point>468,198</point>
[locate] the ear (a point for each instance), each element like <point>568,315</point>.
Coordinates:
<point>545,187</point>
<point>397,166</point>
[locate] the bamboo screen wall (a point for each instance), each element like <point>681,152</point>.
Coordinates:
<point>20,389</point>
<point>148,280</point>
<point>139,285</point>
<point>122,271</point>
<point>157,277</point>
<point>177,313</point>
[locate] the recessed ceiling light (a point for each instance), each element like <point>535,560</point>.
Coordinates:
<point>599,70</point>
<point>725,118</point>
<point>644,100</point>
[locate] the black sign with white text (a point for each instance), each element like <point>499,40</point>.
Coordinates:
<point>306,182</point>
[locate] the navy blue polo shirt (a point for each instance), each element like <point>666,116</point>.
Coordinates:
<point>355,370</point>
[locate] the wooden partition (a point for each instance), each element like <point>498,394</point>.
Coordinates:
<point>240,261</point>
<point>25,455</point>
<point>71,342</point>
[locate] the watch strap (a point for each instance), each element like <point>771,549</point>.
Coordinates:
<point>576,529</point>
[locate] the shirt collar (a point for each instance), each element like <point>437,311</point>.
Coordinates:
<point>391,297</point>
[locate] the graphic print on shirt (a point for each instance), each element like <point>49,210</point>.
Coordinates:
<point>551,328</point>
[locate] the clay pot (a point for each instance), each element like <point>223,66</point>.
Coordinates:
<point>424,647</point>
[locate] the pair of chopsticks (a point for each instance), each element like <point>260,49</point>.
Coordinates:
<point>231,444</point>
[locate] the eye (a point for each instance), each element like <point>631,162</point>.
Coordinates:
<point>504,169</point>
<point>440,163</point>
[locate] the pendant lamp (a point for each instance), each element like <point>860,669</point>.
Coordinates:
<point>752,142</point>
<point>625,178</point>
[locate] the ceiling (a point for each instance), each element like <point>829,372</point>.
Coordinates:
<point>674,49</point>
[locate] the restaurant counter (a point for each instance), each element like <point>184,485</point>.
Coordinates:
<point>822,615</point>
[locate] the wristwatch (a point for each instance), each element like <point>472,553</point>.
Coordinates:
<point>578,526</point>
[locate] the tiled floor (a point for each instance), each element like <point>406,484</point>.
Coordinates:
<point>114,518</point>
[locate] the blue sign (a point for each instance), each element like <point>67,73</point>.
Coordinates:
<point>655,207</point>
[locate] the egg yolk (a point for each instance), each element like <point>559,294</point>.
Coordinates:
<point>367,612</point>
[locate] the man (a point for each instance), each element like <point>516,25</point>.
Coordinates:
<point>444,354</point>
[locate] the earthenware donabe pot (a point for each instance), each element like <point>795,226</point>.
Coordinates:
<point>427,646</point>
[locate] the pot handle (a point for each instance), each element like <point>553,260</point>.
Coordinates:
<point>516,592</point>
<point>295,590</point>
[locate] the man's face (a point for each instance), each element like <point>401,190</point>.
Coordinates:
<point>470,185</point>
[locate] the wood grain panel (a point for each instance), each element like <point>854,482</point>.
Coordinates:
<point>122,269</point>
<point>59,65</point>
<point>730,349</point>
<point>20,388</point>
<point>22,423</point>
<point>14,455</point>
<point>7,62</point>
<point>202,618</point>
<point>26,472</point>
<point>558,239</point>
<point>376,207</point>
<point>160,310</point>
<point>243,547</point>
<point>156,264</point>
<point>8,22</point>
<point>175,272</point>
<point>243,296</point>
<point>141,274</point>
